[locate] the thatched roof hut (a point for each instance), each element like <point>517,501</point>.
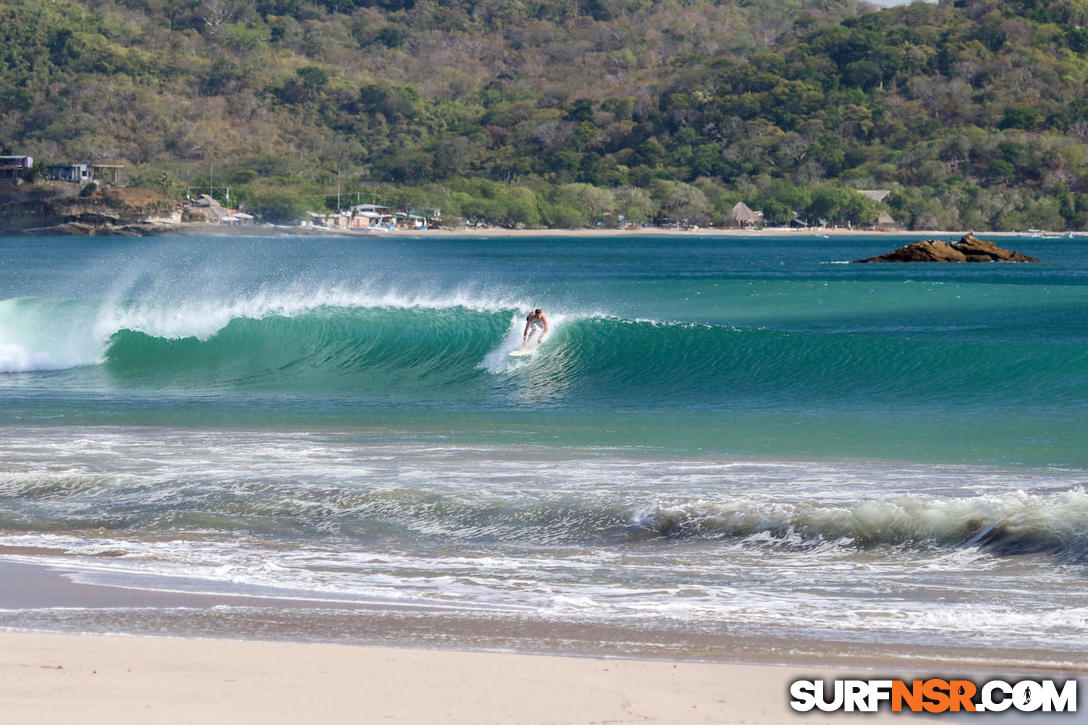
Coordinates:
<point>743,216</point>
<point>885,222</point>
<point>875,195</point>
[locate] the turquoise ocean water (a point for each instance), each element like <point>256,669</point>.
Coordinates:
<point>741,433</point>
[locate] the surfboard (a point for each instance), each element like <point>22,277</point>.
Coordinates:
<point>523,351</point>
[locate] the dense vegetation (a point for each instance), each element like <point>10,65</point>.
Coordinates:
<point>569,112</point>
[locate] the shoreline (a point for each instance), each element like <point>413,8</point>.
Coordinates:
<point>496,232</point>
<point>200,228</point>
<point>713,232</point>
<point>39,593</point>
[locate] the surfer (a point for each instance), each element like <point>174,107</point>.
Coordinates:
<point>535,322</point>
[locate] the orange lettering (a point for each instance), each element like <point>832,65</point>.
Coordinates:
<point>911,695</point>
<point>961,692</point>
<point>936,691</point>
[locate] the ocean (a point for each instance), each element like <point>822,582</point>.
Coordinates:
<point>742,438</point>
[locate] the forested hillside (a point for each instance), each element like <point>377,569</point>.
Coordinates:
<point>569,112</point>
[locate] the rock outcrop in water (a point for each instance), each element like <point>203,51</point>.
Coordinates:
<point>968,249</point>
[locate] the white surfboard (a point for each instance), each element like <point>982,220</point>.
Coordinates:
<point>523,351</point>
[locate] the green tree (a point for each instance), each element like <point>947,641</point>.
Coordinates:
<point>634,205</point>
<point>680,202</point>
<point>777,214</point>
<point>279,207</point>
<point>599,203</point>
<point>840,205</point>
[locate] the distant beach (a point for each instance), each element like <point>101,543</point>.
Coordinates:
<point>188,229</point>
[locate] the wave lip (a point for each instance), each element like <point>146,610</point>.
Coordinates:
<point>202,318</point>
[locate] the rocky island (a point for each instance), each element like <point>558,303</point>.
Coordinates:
<point>968,249</point>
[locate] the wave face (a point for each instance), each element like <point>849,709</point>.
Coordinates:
<point>329,350</point>
<point>453,351</point>
<point>456,349</point>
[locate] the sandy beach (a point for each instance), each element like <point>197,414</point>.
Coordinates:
<point>686,232</point>
<point>49,678</point>
<point>190,228</point>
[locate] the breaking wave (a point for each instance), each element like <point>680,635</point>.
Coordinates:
<point>1002,524</point>
<point>455,347</point>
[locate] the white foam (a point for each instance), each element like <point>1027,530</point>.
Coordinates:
<point>17,359</point>
<point>45,335</point>
<point>202,318</point>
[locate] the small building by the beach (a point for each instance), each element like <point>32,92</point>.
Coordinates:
<point>84,173</point>
<point>412,220</point>
<point>743,217</point>
<point>886,223</point>
<point>237,218</point>
<point>15,168</point>
<point>334,220</point>
<point>205,208</point>
<point>74,173</point>
<point>367,216</point>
